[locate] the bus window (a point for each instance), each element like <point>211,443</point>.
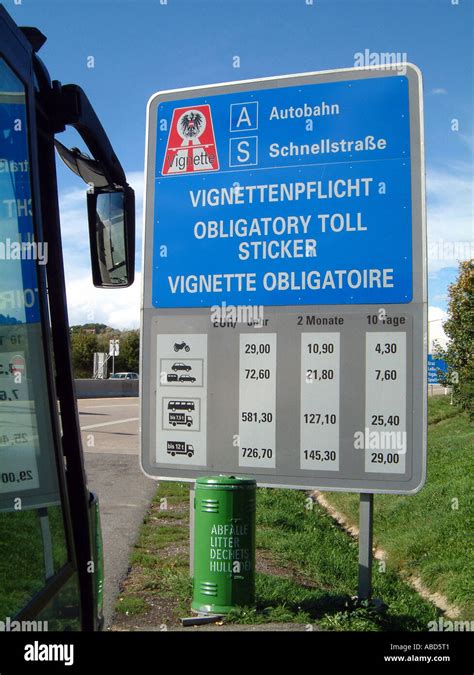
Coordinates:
<point>33,545</point>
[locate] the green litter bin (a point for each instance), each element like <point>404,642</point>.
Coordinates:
<point>224,544</point>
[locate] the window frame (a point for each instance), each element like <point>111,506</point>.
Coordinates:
<point>18,54</point>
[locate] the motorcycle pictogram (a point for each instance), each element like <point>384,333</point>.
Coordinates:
<point>178,346</point>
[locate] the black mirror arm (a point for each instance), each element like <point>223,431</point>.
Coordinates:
<point>73,108</point>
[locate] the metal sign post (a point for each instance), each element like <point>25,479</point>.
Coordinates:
<point>366,513</point>
<point>114,350</point>
<point>47,543</point>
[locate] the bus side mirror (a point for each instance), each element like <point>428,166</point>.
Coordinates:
<point>111,215</point>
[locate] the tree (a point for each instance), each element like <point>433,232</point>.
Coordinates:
<point>83,346</point>
<point>459,353</point>
<point>84,343</point>
<point>130,350</point>
<point>97,327</point>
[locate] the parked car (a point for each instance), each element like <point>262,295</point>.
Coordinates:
<point>124,376</point>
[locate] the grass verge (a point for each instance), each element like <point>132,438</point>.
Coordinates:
<point>157,590</point>
<point>307,571</point>
<point>318,565</point>
<point>430,535</point>
<point>307,565</point>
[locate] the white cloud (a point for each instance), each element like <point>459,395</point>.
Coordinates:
<point>436,317</point>
<point>119,308</point>
<point>438,91</point>
<point>73,214</point>
<point>449,216</point>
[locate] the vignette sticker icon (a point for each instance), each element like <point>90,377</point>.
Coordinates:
<point>191,143</point>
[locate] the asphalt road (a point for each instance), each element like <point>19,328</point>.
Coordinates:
<point>110,440</point>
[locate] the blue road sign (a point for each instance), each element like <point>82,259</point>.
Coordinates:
<point>434,366</point>
<point>284,195</point>
<point>285,246</point>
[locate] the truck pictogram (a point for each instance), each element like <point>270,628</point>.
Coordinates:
<point>179,448</point>
<point>180,418</point>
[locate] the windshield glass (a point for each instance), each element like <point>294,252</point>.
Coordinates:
<point>32,541</point>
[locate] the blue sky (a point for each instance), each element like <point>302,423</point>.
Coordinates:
<point>142,46</point>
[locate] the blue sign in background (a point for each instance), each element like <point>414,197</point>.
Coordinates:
<point>377,107</point>
<point>435,365</point>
